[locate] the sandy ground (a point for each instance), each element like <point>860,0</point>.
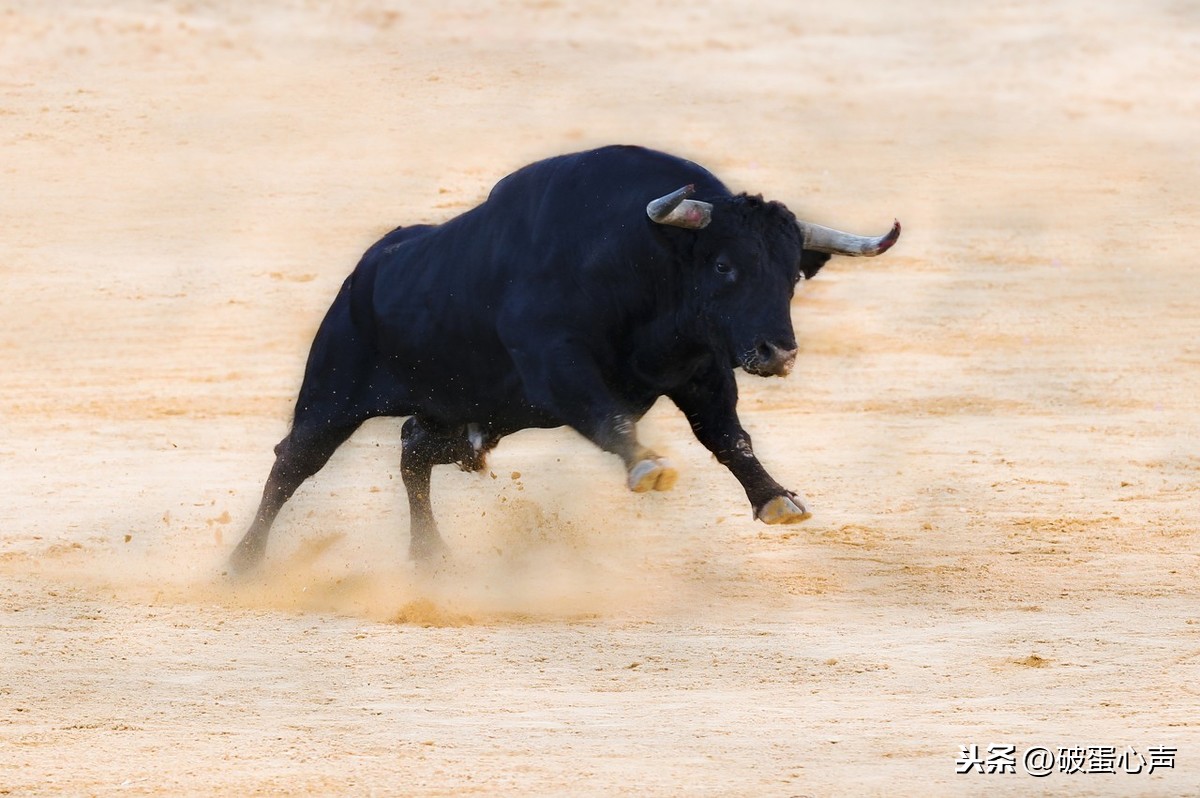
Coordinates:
<point>996,422</point>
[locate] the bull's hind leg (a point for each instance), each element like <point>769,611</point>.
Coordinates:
<point>344,385</point>
<point>297,457</point>
<point>427,444</point>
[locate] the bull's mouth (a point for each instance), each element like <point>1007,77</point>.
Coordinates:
<point>752,363</point>
<point>760,371</point>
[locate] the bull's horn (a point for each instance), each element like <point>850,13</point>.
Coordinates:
<point>677,210</point>
<point>824,239</point>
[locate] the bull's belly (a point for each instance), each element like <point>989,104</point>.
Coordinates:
<point>473,379</point>
<point>454,393</point>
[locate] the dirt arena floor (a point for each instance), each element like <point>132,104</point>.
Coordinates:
<point>996,422</point>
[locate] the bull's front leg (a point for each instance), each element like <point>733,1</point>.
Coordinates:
<point>710,403</point>
<point>645,470</point>
<point>564,381</point>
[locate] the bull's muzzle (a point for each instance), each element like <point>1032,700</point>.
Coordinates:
<point>769,359</point>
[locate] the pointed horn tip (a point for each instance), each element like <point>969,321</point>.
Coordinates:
<point>681,193</point>
<point>891,238</point>
<point>885,242</point>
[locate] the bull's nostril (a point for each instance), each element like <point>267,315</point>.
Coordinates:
<point>765,352</point>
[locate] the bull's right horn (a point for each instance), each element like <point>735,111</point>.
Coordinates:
<point>677,210</point>
<point>835,242</point>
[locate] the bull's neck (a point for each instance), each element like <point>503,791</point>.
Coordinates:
<point>664,351</point>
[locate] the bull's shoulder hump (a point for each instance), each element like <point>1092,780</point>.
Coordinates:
<point>394,239</point>
<point>630,166</point>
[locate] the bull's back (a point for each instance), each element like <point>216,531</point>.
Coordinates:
<point>551,239</point>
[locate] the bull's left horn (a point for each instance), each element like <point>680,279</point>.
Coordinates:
<point>835,242</point>
<point>677,210</point>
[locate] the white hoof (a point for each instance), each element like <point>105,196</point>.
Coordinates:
<point>652,474</point>
<point>784,510</point>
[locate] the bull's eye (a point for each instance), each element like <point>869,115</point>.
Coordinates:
<point>724,268</point>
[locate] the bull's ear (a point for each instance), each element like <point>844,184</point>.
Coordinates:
<point>811,262</point>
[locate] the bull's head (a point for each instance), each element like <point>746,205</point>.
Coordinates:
<point>748,261</point>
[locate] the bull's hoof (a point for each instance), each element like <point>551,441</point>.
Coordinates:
<point>246,557</point>
<point>652,474</point>
<point>784,510</point>
<point>428,550</point>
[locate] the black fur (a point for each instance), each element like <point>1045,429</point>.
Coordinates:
<point>555,302</point>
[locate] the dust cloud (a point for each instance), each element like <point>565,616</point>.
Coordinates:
<point>520,561</point>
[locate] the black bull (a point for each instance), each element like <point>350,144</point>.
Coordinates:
<point>574,297</point>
